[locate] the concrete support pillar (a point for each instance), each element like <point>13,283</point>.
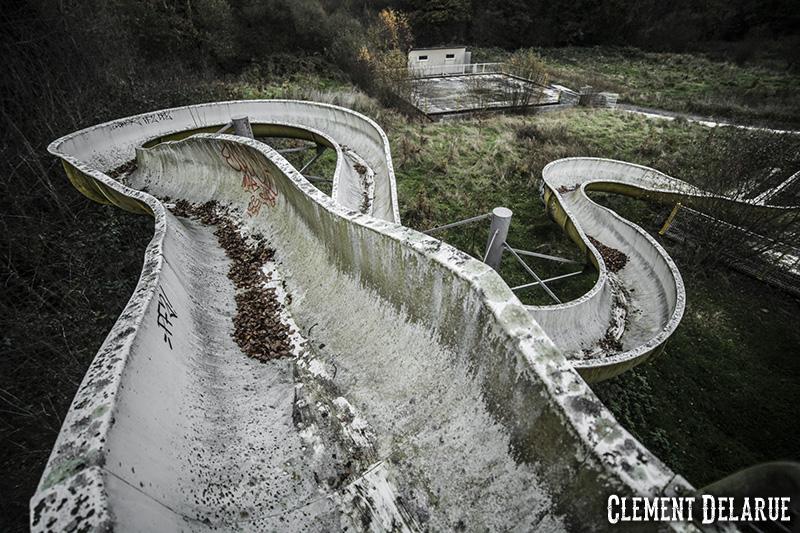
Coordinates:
<point>241,127</point>
<point>501,220</point>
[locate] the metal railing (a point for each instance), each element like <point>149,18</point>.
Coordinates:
<point>458,223</point>
<point>461,69</point>
<point>500,221</point>
<point>775,262</point>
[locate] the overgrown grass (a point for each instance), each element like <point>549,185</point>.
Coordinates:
<point>764,92</point>
<point>451,171</point>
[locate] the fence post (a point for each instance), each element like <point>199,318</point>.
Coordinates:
<point>241,127</point>
<point>501,220</point>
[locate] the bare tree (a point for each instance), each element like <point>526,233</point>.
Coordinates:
<point>382,62</point>
<point>529,77</point>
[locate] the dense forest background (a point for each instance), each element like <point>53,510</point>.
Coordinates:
<point>232,34</point>
<point>69,64</point>
<point>681,25</point>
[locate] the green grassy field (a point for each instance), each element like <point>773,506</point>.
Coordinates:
<point>753,93</point>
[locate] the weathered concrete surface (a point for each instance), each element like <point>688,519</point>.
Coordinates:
<point>698,119</point>
<point>635,305</point>
<point>107,146</point>
<point>448,94</point>
<point>423,394</point>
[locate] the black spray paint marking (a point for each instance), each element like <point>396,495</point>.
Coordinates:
<point>152,118</point>
<point>165,315</point>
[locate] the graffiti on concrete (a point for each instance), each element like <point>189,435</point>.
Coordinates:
<point>255,177</point>
<point>143,120</point>
<point>166,312</point>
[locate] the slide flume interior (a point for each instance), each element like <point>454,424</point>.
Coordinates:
<point>639,297</point>
<point>421,394</point>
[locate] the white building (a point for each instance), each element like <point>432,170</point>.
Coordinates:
<point>438,60</point>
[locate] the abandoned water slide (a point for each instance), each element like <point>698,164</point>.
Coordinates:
<point>415,391</point>
<point>639,298</point>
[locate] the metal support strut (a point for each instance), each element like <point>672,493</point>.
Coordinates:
<point>456,224</point>
<point>498,232</point>
<point>546,256</point>
<point>296,149</point>
<point>320,151</point>
<point>532,273</point>
<point>548,280</point>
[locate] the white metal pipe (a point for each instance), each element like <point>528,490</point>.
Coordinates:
<point>501,220</point>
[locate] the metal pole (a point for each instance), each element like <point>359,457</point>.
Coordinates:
<point>456,224</point>
<point>548,280</point>
<point>297,149</point>
<point>320,151</point>
<point>545,256</point>
<point>241,127</point>
<point>491,242</point>
<point>532,273</point>
<point>501,220</point>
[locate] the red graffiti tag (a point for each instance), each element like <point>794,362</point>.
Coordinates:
<point>255,177</point>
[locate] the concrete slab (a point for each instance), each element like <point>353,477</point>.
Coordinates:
<point>452,94</point>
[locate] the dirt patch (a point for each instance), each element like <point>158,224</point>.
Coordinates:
<point>609,343</point>
<point>615,260</point>
<point>122,170</point>
<point>258,329</point>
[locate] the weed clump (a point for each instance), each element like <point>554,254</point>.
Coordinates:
<point>527,132</point>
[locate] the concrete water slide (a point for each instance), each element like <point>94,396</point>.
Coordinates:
<point>639,298</point>
<point>420,393</point>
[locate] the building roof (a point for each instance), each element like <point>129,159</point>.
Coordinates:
<point>422,48</point>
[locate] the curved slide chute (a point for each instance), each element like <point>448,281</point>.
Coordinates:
<point>366,155</point>
<point>421,393</point>
<point>639,297</point>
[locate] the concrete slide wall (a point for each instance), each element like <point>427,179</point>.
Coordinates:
<point>639,305</point>
<point>475,417</point>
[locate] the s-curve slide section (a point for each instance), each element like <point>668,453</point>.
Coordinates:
<point>639,297</point>
<point>419,393</point>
